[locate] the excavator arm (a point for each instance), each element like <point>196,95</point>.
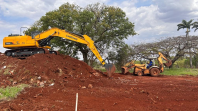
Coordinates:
<point>46,36</point>
<point>167,64</point>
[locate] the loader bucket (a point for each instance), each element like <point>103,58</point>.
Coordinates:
<point>168,64</point>
<point>110,68</point>
<point>124,70</point>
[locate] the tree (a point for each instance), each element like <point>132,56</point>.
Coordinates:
<point>186,25</point>
<point>108,26</point>
<point>121,56</point>
<point>195,25</point>
<point>173,48</point>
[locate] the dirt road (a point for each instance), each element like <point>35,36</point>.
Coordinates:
<point>54,86</point>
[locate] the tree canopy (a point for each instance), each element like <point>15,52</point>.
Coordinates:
<point>108,26</point>
<point>173,48</point>
<point>195,25</point>
<point>185,24</point>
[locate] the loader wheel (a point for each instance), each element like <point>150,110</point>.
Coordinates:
<point>139,73</point>
<point>154,72</point>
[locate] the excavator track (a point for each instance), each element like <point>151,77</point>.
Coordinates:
<point>26,52</point>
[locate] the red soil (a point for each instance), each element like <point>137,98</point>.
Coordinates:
<point>55,80</point>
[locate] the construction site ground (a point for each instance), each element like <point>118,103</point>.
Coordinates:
<point>54,81</point>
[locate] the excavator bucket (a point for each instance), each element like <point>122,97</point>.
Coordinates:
<point>110,68</point>
<point>168,64</point>
<point>124,70</point>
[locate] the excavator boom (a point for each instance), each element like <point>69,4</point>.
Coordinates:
<point>167,64</point>
<point>37,43</point>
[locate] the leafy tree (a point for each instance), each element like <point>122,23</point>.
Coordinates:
<point>186,25</point>
<point>108,26</point>
<point>123,56</point>
<point>173,48</point>
<point>195,61</point>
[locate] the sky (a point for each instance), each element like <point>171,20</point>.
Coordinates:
<point>153,19</point>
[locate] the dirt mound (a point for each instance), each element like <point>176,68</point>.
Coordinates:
<point>43,70</point>
<point>55,80</point>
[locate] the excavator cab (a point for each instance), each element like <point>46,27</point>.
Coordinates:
<point>35,33</point>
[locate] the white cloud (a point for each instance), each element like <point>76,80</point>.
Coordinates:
<point>152,22</point>
<point>21,8</point>
<point>160,19</point>
<point>81,3</point>
<point>34,9</point>
<point>174,10</point>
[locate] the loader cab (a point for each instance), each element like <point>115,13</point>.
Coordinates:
<point>150,62</point>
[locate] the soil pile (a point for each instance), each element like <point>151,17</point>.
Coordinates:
<point>55,80</point>
<point>43,70</point>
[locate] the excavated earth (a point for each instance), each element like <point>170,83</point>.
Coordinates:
<point>54,81</point>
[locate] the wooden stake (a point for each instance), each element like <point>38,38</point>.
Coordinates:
<point>76,101</point>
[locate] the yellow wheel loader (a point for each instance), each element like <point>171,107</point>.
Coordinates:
<point>23,46</point>
<point>150,68</point>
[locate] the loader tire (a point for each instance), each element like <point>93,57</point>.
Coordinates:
<point>139,73</point>
<point>154,72</point>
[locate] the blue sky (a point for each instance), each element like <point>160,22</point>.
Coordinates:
<point>154,19</point>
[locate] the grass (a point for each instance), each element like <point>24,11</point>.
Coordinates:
<point>6,71</point>
<point>11,92</point>
<point>180,71</point>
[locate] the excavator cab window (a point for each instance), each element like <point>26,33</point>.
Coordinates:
<point>33,34</point>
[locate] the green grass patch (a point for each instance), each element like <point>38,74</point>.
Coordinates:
<point>11,92</point>
<point>6,71</point>
<point>180,71</point>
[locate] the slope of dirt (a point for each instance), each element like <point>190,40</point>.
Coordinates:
<point>43,69</point>
<point>55,80</point>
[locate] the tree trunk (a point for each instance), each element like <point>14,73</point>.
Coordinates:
<point>85,57</point>
<point>91,60</point>
<point>187,32</point>
<point>190,57</point>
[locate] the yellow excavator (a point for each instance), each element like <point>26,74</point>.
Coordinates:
<point>149,68</point>
<point>39,42</point>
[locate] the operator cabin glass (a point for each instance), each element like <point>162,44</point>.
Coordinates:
<point>33,34</point>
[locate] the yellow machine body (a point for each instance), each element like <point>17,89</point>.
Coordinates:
<point>14,42</point>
